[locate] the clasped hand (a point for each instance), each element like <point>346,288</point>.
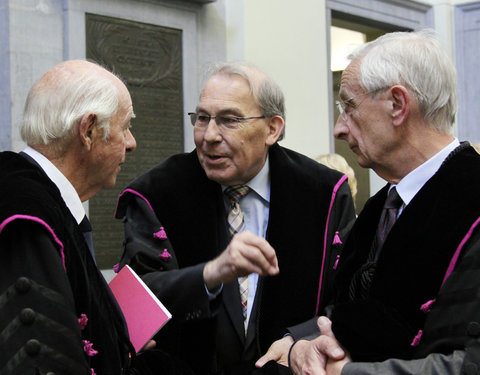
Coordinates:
<point>321,356</point>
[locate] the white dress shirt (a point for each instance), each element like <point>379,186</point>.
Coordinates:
<point>411,184</point>
<point>256,207</point>
<point>68,192</point>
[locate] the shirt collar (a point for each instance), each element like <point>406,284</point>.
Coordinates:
<point>68,192</point>
<point>260,184</point>
<point>411,184</point>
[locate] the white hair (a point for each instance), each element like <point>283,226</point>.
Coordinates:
<point>54,107</point>
<point>417,61</point>
<point>266,93</point>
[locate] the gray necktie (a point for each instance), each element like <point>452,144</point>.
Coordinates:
<point>86,229</point>
<point>362,278</point>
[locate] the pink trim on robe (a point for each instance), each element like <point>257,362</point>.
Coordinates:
<point>426,307</point>
<point>40,221</point>
<point>334,193</point>
<point>134,192</point>
<point>453,262</point>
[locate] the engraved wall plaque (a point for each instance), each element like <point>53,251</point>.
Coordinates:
<point>149,60</point>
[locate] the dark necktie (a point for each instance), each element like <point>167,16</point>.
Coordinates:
<point>361,280</point>
<point>86,229</point>
<point>236,223</point>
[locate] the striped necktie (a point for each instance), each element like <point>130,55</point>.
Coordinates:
<point>236,223</point>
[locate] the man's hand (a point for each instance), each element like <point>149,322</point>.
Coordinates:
<point>335,367</point>
<point>246,254</point>
<point>149,345</point>
<point>310,357</point>
<point>277,352</point>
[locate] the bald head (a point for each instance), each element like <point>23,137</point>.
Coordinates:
<point>62,96</point>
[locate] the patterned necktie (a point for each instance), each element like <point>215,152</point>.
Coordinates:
<point>236,224</point>
<point>361,280</point>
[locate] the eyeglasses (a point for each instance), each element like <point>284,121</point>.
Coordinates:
<point>344,106</point>
<point>227,122</point>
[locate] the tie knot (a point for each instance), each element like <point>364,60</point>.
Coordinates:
<point>393,199</point>
<point>235,193</point>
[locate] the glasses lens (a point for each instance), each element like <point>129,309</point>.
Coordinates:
<point>193,118</point>
<point>341,110</point>
<point>228,122</point>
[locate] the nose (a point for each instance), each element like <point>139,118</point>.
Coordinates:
<point>341,128</point>
<point>130,142</point>
<point>212,133</point>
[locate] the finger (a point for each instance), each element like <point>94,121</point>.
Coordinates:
<point>329,346</point>
<point>277,352</point>
<point>264,359</point>
<point>261,244</point>
<point>256,262</point>
<point>149,345</point>
<point>325,326</point>
<point>259,253</point>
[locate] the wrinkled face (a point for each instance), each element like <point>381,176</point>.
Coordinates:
<point>232,156</point>
<point>367,126</point>
<point>109,155</point>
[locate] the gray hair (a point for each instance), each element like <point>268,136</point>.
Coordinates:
<point>56,104</point>
<point>417,61</point>
<point>266,93</point>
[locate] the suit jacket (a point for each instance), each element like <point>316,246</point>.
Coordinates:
<point>411,267</point>
<point>309,203</point>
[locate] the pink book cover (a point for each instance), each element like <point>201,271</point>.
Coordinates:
<point>143,311</point>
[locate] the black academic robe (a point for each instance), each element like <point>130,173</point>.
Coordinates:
<point>412,264</point>
<point>309,203</point>
<point>48,282</point>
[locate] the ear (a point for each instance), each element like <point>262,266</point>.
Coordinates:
<point>401,102</point>
<point>275,128</point>
<point>87,129</point>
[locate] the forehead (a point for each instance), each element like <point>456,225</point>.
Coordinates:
<point>349,83</point>
<point>223,91</point>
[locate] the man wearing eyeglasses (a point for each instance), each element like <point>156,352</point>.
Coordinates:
<point>407,298</point>
<point>181,235</point>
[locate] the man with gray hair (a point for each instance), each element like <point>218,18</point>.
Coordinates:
<point>57,314</point>
<point>407,283</point>
<point>237,238</point>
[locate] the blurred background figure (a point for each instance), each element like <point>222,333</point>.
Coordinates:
<point>338,162</point>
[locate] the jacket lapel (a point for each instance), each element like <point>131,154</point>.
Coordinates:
<point>231,302</point>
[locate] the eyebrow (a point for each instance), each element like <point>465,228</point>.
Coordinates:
<point>232,110</point>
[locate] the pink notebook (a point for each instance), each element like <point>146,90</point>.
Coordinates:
<point>143,311</point>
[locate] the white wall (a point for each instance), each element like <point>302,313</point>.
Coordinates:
<point>36,35</point>
<point>288,41</point>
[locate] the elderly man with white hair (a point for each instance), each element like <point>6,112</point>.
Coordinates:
<point>57,315</point>
<point>407,283</point>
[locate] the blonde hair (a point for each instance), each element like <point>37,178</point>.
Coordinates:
<point>338,162</point>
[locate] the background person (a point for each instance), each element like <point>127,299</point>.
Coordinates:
<point>338,162</point>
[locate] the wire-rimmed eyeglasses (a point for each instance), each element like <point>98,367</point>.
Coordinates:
<point>345,106</point>
<point>225,121</point>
